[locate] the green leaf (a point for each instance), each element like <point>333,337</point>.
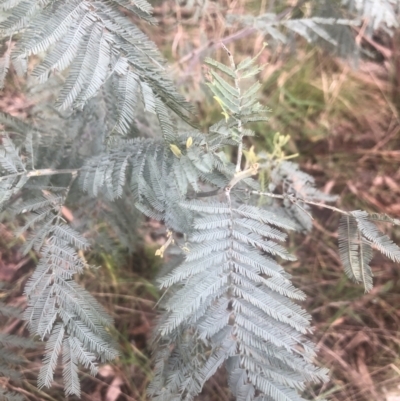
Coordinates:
<point>221,67</point>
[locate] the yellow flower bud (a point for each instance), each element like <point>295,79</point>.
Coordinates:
<point>175,150</point>
<point>189,142</point>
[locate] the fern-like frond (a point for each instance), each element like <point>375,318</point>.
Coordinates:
<point>175,374</point>
<point>328,23</point>
<point>53,349</point>
<point>381,241</point>
<point>348,247</point>
<point>12,168</point>
<point>221,67</point>
<point>50,26</point>
<point>82,72</point>
<point>365,259</point>
<point>264,216</point>
<point>62,56</point>
<point>127,101</point>
<point>96,41</point>
<point>357,235</point>
<point>140,8</point>
<point>5,60</point>
<point>237,301</point>
<point>9,356</point>
<point>59,310</point>
<point>70,369</point>
<point>7,4</point>
<point>241,107</point>
<point>22,13</point>
<point>10,159</point>
<point>158,178</point>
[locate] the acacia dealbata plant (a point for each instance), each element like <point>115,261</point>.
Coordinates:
<point>121,139</point>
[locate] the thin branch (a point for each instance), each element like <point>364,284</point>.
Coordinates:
<point>291,198</point>
<point>38,173</point>
<point>198,54</point>
<point>208,194</point>
<point>335,209</point>
<point>295,199</point>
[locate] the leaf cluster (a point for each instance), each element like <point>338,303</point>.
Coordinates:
<point>330,24</point>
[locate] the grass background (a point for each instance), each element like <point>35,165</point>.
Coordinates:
<point>344,123</point>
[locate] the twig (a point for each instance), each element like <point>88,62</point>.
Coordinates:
<point>291,198</point>
<point>38,173</point>
<point>211,45</point>
<point>207,194</point>
<point>295,199</point>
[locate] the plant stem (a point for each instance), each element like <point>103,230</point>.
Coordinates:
<point>294,199</point>
<point>37,173</point>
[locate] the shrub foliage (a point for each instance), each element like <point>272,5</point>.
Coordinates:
<point>121,132</point>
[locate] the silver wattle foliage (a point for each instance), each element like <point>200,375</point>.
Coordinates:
<point>228,301</point>
<point>9,359</point>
